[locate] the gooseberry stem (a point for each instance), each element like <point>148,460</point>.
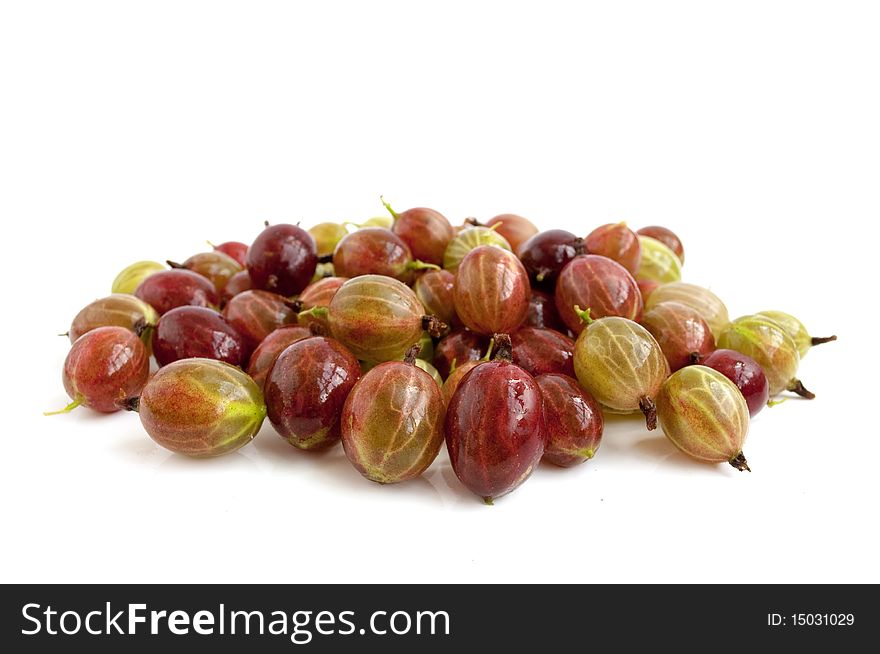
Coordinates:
<point>503,348</point>
<point>388,206</point>
<point>433,326</point>
<point>294,305</point>
<point>412,354</point>
<point>583,314</point>
<point>819,340</point>
<point>77,401</point>
<point>421,265</point>
<point>797,386</point>
<point>773,403</point>
<point>578,245</point>
<point>489,349</point>
<point>131,404</point>
<point>646,404</point>
<point>739,462</point>
<point>695,357</point>
<point>314,312</point>
<point>174,265</point>
<point>473,221</point>
<point>488,501</point>
<point>325,258</point>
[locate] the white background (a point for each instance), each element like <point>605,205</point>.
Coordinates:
<point>132,131</point>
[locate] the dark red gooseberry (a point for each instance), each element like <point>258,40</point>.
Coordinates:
<point>516,229</point>
<point>435,290</point>
<point>494,426</point>
<point>573,421</point>
<point>306,390</point>
<point>542,312</point>
<point>665,236</point>
<point>392,422</point>
<point>215,266</point>
<point>681,333</point>
<point>238,283</point>
<point>234,249</point>
<point>190,332</point>
<point>282,259</point>
<point>273,345</point>
<point>168,289</point>
<point>375,251</point>
<point>457,348</point>
<point>491,291</point>
<point>540,351</point>
<point>617,242</point>
<point>256,314</point>
<point>318,295</point>
<point>546,253</point>
<point>600,284</point>
<point>105,367</point>
<point>425,231</point>
<point>745,372</point>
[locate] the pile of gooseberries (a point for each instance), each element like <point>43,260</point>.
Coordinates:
<point>397,334</point>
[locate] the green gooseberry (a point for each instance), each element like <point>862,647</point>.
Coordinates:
<point>798,332</point>
<point>658,263</point>
<point>131,276</point>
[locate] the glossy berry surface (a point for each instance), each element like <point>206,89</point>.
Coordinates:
<point>704,415</point>
<point>104,368</point>
<point>392,422</point>
<point>681,332</point>
<point>306,390</point>
<point>621,365</point>
<point>234,249</point>
<point>658,263</point>
<point>457,348</point>
<point>705,302</point>
<point>263,358</point>
<point>256,314</point>
<point>327,236</point>
<point>491,291</point>
<point>745,373</point>
<point>597,283</point>
<point>797,330</point>
<point>665,236</point>
<point>468,239</point>
<point>215,266</point>
<point>546,253</point>
<point>201,408</point>
<point>573,421</point>
<point>197,332</point>
<point>169,289</point>
<point>378,318</point>
<point>542,312</point>
<point>282,259</point>
<point>374,251</point>
<point>238,283</point>
<point>515,229</point>
<point>425,231</point>
<point>539,351</point>
<point>494,428</point>
<point>117,310</point>
<point>617,242</point>
<point>435,290</point>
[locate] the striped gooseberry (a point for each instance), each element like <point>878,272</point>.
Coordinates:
<point>491,291</point>
<point>681,332</point>
<point>657,262</point>
<point>599,283</point>
<point>706,303</point>
<point>573,420</point>
<point>617,242</point>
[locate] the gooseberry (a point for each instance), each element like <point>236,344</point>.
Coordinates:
<point>104,368</point>
<point>282,259</point>
<point>745,373</point>
<point>494,426</point>
<point>131,276</point>
<point>573,420</point>
<point>540,351</point>
<point>704,415</point>
<point>315,299</point>
<point>375,251</point>
<point>681,332</point>
<point>599,283</point>
<point>215,266</point>
<point>425,231</point>
<point>256,314</point>
<point>392,421</point>
<point>617,242</point>
<point>235,249</point>
<point>798,332</point>
<point>327,236</point>
<point>197,332</point>
<point>306,389</point>
<point>117,310</point>
<point>468,239</point>
<point>435,291</point>
<point>201,408</point>
<point>169,289</point>
<point>545,254</point>
<point>706,303</point>
<point>666,236</point>
<point>621,365</point>
<point>657,263</point>
<point>515,229</point>
<point>273,345</point>
<point>491,291</point>
<point>238,283</point>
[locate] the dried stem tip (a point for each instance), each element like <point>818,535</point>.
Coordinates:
<point>819,340</point>
<point>503,348</point>
<point>325,258</point>
<point>174,265</point>
<point>797,386</point>
<point>131,404</point>
<point>739,462</point>
<point>412,354</point>
<point>646,404</point>
<point>434,327</point>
